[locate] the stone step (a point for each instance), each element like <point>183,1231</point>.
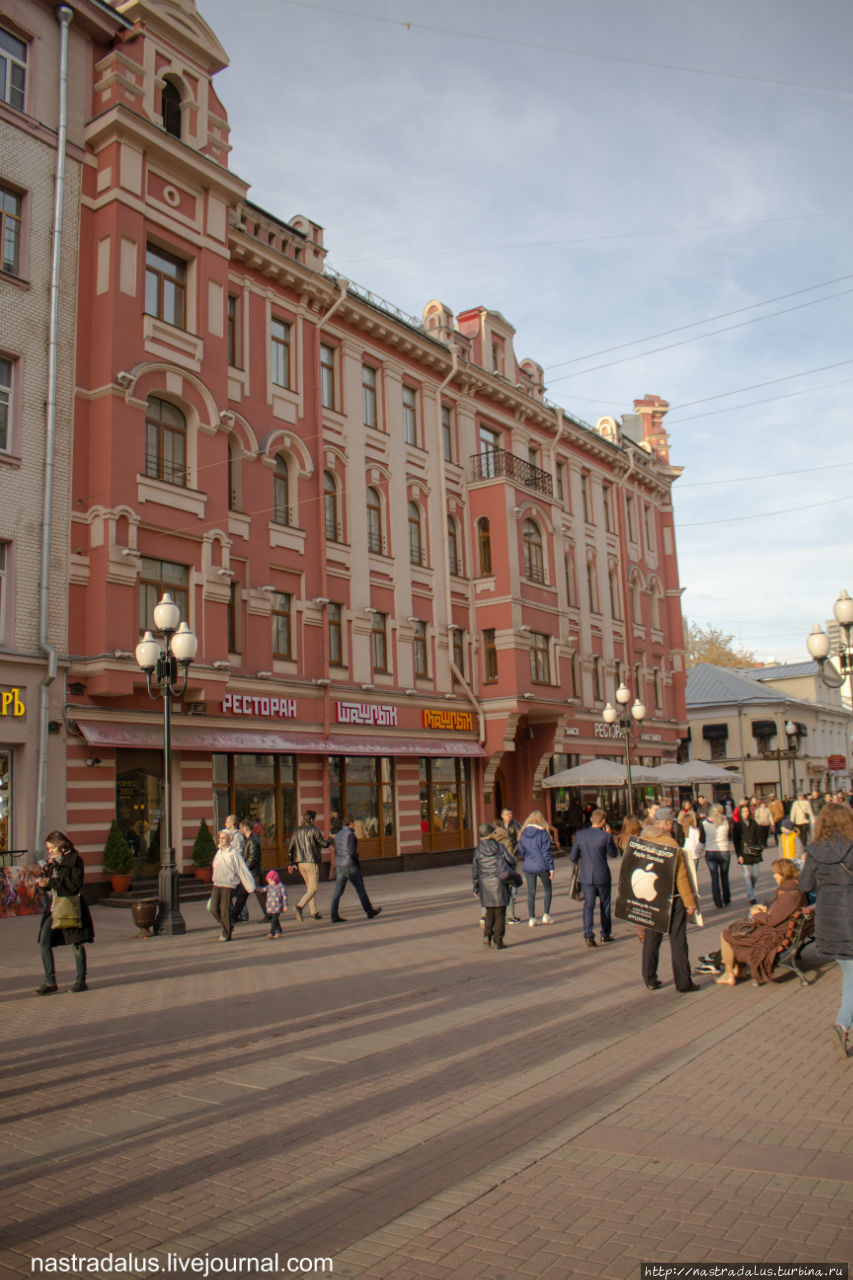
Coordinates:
<point>192,890</point>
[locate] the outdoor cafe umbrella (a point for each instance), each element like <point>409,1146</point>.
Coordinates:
<point>693,771</point>
<point>600,773</point>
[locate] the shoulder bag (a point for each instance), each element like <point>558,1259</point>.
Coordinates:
<point>65,912</point>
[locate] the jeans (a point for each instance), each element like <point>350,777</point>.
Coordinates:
<point>718,865</point>
<point>845,1012</point>
<point>47,957</point>
<point>353,876</point>
<point>590,893</point>
<point>275,926</point>
<point>750,878</point>
<point>531,877</point>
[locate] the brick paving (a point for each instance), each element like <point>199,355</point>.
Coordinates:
<point>389,1095</point>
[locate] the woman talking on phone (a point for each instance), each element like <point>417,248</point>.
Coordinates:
<point>66,919</point>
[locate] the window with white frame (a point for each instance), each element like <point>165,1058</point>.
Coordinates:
<point>327,376</point>
<point>375,541</point>
<point>410,415</point>
<point>453,558</point>
<point>282,632</point>
<point>13,70</point>
<point>540,658</point>
<point>5,405</point>
<point>280,335</point>
<point>458,650</point>
<point>281,491</point>
<point>379,642</point>
<point>419,648</point>
<point>534,561</point>
<point>336,636</point>
<point>11,221</point>
<point>330,507</point>
<point>416,541</point>
<point>165,442</point>
<point>368,396</point>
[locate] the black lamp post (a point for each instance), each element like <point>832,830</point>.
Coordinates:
<point>161,673</point>
<point>625,721</point>
<point>818,645</point>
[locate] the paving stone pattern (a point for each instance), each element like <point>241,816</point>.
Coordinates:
<point>390,1095</point>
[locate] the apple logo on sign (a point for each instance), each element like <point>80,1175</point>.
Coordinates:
<point>643,883</point>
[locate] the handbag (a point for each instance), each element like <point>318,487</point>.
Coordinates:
<point>65,912</point>
<point>508,874</point>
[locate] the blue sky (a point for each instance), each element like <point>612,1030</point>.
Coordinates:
<point>600,172</point>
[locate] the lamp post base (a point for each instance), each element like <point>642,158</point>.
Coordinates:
<point>169,919</point>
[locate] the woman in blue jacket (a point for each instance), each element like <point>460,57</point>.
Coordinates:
<point>534,845</point>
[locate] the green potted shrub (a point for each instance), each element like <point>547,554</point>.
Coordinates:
<point>118,859</point>
<point>203,850</point>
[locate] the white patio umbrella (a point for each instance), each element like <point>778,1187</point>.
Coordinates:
<point>691,771</point>
<point>600,773</point>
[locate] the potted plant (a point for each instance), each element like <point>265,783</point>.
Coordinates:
<point>118,859</point>
<point>203,850</point>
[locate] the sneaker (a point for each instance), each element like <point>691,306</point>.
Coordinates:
<point>514,920</point>
<point>46,989</point>
<point>546,919</point>
<point>79,986</point>
<point>609,938</point>
<point>590,942</point>
<point>532,922</point>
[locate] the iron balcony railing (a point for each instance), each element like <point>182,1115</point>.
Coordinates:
<point>496,463</point>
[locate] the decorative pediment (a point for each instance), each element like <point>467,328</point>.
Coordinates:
<point>180,21</point>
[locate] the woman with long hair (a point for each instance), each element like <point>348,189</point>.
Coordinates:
<point>534,846</point>
<point>829,872</point>
<point>66,920</point>
<point>717,841</point>
<point>630,827</point>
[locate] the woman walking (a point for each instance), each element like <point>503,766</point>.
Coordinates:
<point>829,872</point>
<point>534,845</point>
<point>491,890</point>
<point>66,920</point>
<point>717,841</point>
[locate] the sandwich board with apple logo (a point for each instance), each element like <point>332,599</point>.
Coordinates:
<point>646,884</point>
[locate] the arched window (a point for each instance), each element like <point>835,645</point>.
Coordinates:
<point>171,109</point>
<point>534,565</point>
<point>281,491</point>
<point>165,442</point>
<point>484,547</point>
<point>416,545</point>
<point>330,507</point>
<point>453,547</point>
<point>374,521</point>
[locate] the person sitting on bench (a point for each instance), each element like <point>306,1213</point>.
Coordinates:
<point>757,941</point>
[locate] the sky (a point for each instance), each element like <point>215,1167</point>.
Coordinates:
<point>656,194</point>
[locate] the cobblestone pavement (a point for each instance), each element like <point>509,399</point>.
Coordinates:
<point>391,1096</point>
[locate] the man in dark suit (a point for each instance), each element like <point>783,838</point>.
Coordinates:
<point>592,847</point>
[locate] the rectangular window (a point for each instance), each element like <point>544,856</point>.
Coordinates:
<point>13,70</point>
<point>650,528</point>
<point>420,648</point>
<point>5,405</point>
<point>156,577</point>
<point>587,509</point>
<point>11,211</point>
<point>410,415</point>
<point>446,815</point>
<point>379,642</point>
<point>234,645</point>
<point>4,591</point>
<point>261,788</point>
<point>327,376</point>
<point>336,639</point>
<point>234,331</point>
<point>489,445</point>
<point>596,680</point>
<point>447,433</point>
<point>490,657</point>
<point>165,287</point>
<point>561,488</point>
<point>458,648</point>
<point>368,396</point>
<point>281,629</point>
<point>607,500</point>
<point>280,353</point>
<point>718,748</point>
<point>631,519</point>
<point>540,660</point>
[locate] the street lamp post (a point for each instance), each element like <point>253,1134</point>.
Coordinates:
<point>160,665</point>
<point>818,645</point>
<point>793,735</point>
<point>625,721</point>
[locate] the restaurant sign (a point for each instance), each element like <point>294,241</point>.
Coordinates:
<point>451,721</point>
<point>370,713</point>
<point>247,705</point>
<point>10,703</point>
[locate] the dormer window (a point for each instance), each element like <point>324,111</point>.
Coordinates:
<point>171,99</point>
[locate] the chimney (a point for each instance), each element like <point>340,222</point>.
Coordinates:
<point>652,409</point>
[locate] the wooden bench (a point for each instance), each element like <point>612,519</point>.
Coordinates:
<point>800,932</point>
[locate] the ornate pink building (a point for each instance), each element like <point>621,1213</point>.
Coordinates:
<point>414,581</point>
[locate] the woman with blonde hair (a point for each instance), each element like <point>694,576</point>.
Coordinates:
<point>717,841</point>
<point>534,846</point>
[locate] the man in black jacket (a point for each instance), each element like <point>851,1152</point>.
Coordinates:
<point>306,853</point>
<point>253,859</point>
<point>348,870</point>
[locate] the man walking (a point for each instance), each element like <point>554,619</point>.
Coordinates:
<point>305,853</point>
<point>802,816</point>
<point>348,871</point>
<point>592,847</point>
<point>252,858</point>
<point>513,830</point>
<point>683,905</point>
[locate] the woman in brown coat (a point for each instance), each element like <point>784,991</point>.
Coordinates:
<point>756,941</point>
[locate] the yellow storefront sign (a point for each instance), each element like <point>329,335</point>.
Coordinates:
<point>452,721</point>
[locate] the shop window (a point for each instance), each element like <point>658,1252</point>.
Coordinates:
<point>165,442</point>
<point>363,788</point>
<point>540,658</point>
<point>139,805</point>
<point>171,105</point>
<point>490,657</point>
<point>379,642</point>
<point>11,221</point>
<point>330,507</point>
<point>280,332</point>
<point>336,638</point>
<point>534,563</point>
<point>419,648</point>
<point>453,559</point>
<point>165,286</point>
<point>281,491</point>
<point>484,547</point>
<point>5,800</point>
<point>445,788</point>
<point>156,577</point>
<point>282,630</point>
<point>416,547</point>
<point>327,376</point>
<point>262,790</point>
<point>13,70</point>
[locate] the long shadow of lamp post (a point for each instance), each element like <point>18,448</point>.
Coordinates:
<point>160,665</point>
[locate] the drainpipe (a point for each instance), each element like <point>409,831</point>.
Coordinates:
<point>64,16</point>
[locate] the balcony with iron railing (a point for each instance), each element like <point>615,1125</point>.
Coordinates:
<point>496,464</point>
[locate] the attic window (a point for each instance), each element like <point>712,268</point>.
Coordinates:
<point>171,109</point>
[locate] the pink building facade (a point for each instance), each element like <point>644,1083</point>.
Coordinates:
<point>414,581</point>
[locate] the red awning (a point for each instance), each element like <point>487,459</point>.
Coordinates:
<point>202,737</point>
